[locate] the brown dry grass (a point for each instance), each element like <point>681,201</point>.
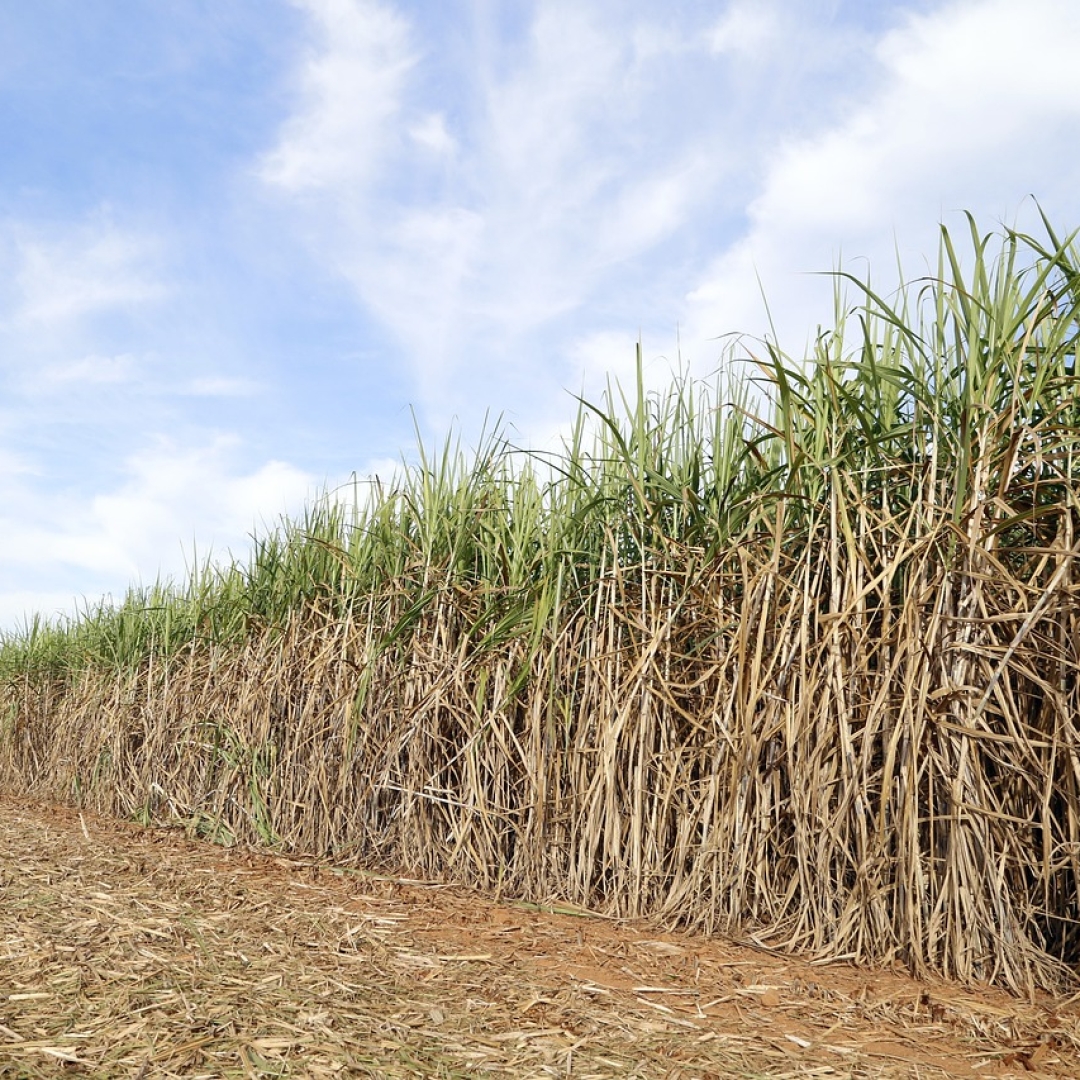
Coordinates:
<point>141,953</point>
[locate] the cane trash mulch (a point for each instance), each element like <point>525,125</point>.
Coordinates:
<point>131,952</point>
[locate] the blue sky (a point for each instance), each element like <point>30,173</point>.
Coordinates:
<point>242,244</point>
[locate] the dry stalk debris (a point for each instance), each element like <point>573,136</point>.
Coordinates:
<point>127,952</point>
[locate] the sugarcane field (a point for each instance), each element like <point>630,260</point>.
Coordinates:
<point>738,738</point>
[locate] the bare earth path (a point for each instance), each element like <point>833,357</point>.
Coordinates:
<point>139,953</point>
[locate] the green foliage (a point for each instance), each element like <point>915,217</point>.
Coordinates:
<point>968,378</point>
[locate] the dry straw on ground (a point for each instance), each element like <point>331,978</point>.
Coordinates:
<point>812,676</point>
<point>136,953</point>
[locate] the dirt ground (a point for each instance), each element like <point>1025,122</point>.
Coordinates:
<point>129,952</point>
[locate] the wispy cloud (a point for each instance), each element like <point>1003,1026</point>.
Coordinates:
<point>89,370</point>
<point>88,497</point>
<point>506,219</point>
<point>93,269</point>
<point>350,86</point>
<point>745,27</point>
<point>219,386</point>
<point>169,485</point>
<point>170,498</point>
<point>431,133</point>
<point>922,145</point>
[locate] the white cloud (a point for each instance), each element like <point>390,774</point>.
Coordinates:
<point>19,607</point>
<point>174,491</point>
<point>96,268</point>
<point>89,370</point>
<point>415,279</point>
<point>220,386</point>
<point>13,464</point>
<point>489,237</point>
<point>955,122</point>
<point>745,27</point>
<point>647,211</point>
<point>431,133</point>
<point>172,496</point>
<point>599,356</point>
<point>351,87</point>
<point>609,174</point>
